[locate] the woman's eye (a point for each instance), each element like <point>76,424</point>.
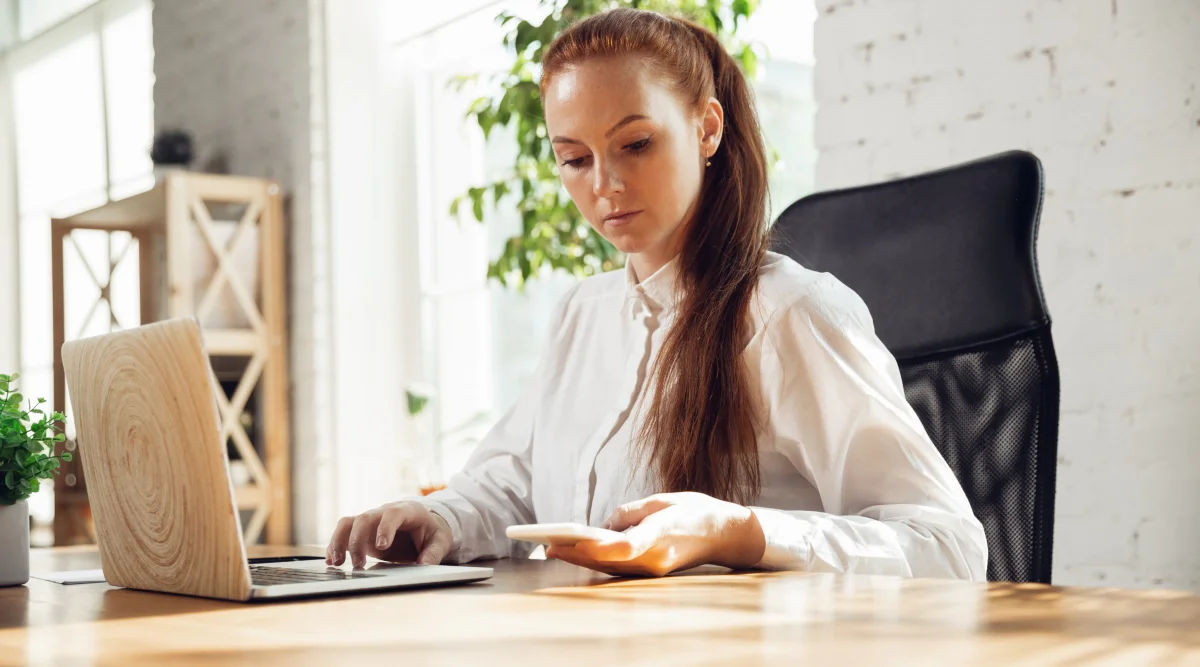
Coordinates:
<point>574,164</point>
<point>639,146</point>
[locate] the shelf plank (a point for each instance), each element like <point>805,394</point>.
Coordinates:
<point>228,342</point>
<point>141,210</point>
<point>248,497</point>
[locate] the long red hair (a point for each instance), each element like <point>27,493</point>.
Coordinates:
<point>699,433</point>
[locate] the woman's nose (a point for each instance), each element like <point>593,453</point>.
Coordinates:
<point>605,179</point>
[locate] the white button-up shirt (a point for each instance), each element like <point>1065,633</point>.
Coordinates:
<point>850,480</point>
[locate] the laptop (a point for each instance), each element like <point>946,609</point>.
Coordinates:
<point>158,478</point>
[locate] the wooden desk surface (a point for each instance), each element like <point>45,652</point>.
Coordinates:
<point>536,612</point>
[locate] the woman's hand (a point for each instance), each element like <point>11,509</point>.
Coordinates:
<point>401,532</point>
<point>669,532</point>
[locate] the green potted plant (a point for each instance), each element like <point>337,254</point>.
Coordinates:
<point>27,439</point>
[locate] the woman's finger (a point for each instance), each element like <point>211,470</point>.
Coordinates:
<point>362,534</point>
<point>405,517</point>
<point>335,553</point>
<point>575,557</point>
<point>611,550</point>
<point>631,514</point>
<point>636,541</point>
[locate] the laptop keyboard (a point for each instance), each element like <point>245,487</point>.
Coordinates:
<point>264,575</point>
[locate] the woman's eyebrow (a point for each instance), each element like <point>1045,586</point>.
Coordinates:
<point>620,124</point>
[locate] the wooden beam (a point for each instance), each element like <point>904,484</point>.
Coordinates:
<point>180,301</point>
<point>64,510</point>
<point>275,388</point>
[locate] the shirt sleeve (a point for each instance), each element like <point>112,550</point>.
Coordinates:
<point>836,407</point>
<point>494,489</point>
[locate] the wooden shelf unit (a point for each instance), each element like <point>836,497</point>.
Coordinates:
<point>174,231</point>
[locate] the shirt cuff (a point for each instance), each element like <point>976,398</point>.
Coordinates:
<point>788,538</point>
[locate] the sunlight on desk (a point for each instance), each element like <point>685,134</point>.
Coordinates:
<point>543,611</point>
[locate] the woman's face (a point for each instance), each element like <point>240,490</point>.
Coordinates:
<point>630,153</point>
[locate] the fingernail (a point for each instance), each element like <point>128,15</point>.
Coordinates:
<point>335,557</point>
<point>381,542</point>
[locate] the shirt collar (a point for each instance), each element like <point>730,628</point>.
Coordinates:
<point>660,289</point>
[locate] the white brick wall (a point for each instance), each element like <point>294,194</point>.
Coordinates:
<point>1107,94</point>
<point>246,79</point>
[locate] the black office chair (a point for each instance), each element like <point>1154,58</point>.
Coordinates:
<point>946,263</point>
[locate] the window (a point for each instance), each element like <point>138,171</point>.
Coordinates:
<point>481,341</point>
<point>35,16</point>
<point>83,123</point>
<point>784,94</point>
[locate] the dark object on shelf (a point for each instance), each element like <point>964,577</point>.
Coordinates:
<point>172,147</point>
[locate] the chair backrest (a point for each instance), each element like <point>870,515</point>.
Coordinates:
<point>946,263</point>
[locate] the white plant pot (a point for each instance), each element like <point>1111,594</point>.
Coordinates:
<point>14,544</point>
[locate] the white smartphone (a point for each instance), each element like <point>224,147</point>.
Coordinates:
<point>559,534</point>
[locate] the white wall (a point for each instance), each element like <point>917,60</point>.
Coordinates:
<point>246,79</point>
<point>1107,94</point>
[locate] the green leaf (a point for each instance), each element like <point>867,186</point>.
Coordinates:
<point>498,192</point>
<point>416,402</point>
<point>749,62</point>
<point>66,456</point>
<point>60,437</point>
<point>476,195</point>
<point>10,479</point>
<point>524,35</point>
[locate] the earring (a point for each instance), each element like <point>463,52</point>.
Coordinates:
<point>708,163</point>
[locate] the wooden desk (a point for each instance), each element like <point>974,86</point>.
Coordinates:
<point>536,612</point>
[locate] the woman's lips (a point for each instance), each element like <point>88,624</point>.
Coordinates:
<point>620,218</point>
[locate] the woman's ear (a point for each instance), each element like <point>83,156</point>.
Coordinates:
<point>712,126</point>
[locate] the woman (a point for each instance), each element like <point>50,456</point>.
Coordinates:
<point>716,402</point>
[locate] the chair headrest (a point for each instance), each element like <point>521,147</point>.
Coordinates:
<point>944,260</point>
